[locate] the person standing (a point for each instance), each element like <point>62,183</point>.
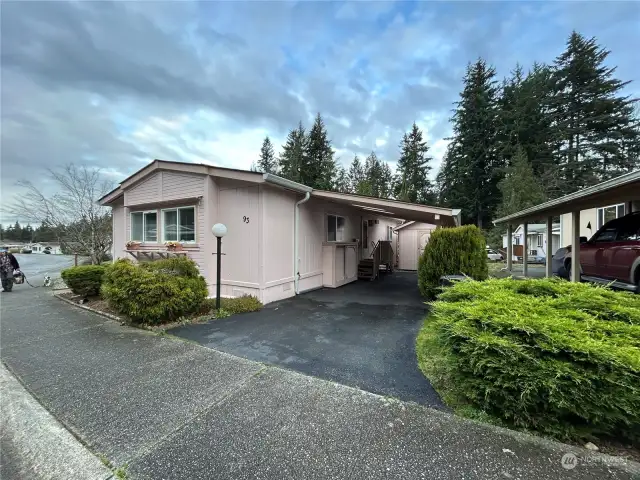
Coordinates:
<point>8,263</point>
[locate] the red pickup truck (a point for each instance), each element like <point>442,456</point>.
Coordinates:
<point>612,255</point>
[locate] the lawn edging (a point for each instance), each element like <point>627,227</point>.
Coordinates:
<point>90,309</point>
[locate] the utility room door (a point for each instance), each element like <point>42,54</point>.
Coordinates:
<point>423,239</point>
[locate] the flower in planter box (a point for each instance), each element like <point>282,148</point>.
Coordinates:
<point>172,245</point>
<point>132,244</point>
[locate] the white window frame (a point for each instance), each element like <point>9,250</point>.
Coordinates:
<point>144,225</point>
<point>600,224</point>
<point>195,223</point>
<point>327,227</point>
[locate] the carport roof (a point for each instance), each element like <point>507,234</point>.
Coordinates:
<point>393,208</point>
<point>617,190</point>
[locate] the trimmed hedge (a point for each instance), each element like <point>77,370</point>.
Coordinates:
<point>243,304</point>
<point>154,292</point>
<point>84,280</point>
<point>548,355</point>
<point>452,251</point>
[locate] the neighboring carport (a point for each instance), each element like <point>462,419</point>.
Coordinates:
<point>623,189</point>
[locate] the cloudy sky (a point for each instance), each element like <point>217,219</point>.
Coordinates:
<point>119,84</point>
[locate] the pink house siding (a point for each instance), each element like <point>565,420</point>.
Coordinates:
<point>239,209</point>
<point>277,240</point>
<point>119,239</point>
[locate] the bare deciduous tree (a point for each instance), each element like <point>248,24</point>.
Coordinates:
<point>80,222</point>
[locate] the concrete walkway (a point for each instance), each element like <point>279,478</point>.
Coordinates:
<point>175,410</point>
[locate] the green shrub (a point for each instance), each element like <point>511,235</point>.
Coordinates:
<point>558,357</point>
<point>155,292</point>
<point>84,280</point>
<point>452,251</point>
<point>243,304</point>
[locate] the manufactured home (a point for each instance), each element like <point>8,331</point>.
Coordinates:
<point>283,237</point>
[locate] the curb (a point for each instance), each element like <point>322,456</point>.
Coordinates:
<point>93,310</point>
<point>35,445</point>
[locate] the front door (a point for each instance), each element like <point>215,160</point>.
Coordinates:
<point>423,239</point>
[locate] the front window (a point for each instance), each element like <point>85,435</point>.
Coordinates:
<point>144,227</point>
<point>389,233</point>
<point>517,240</point>
<point>540,240</point>
<point>629,229</point>
<point>335,228</point>
<point>609,213</point>
<point>179,225</point>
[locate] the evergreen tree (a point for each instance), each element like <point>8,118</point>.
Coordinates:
<point>267,162</point>
<point>472,168</point>
<point>595,123</point>
<point>520,187</point>
<point>1,232</point>
<point>374,180</point>
<point>342,181</point>
<point>412,182</point>
<point>293,156</point>
<point>356,174</point>
<point>320,167</point>
<point>386,185</point>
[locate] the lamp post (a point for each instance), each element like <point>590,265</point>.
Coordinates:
<point>219,230</point>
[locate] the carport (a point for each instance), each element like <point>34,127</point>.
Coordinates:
<point>623,189</point>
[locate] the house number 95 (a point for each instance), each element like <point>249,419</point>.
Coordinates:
<point>245,219</point>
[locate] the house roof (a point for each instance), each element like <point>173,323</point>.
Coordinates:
<point>617,190</point>
<point>372,205</point>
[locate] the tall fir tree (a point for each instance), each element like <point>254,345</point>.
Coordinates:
<point>356,174</point>
<point>320,168</point>
<point>595,122</point>
<point>293,156</point>
<point>374,184</point>
<point>473,167</point>
<point>412,182</point>
<point>520,187</point>
<point>267,162</point>
<point>342,184</point>
<point>386,185</point>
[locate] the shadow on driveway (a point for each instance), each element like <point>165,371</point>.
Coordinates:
<point>361,335</point>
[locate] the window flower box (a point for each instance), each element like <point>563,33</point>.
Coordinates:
<point>132,245</point>
<point>174,246</point>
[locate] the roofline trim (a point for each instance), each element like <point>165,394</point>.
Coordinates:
<point>600,187</point>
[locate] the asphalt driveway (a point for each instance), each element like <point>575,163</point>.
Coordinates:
<point>361,335</point>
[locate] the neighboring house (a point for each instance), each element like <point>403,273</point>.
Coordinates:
<point>591,220</point>
<point>41,247</point>
<point>283,237</point>
<point>538,244</point>
<point>412,238</point>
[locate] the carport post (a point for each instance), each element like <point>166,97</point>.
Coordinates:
<point>575,246</point>
<point>549,252</point>
<point>509,247</point>
<point>525,249</point>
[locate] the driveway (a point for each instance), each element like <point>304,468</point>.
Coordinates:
<point>361,335</point>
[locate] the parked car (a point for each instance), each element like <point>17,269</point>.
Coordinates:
<point>494,256</point>
<point>611,255</point>
<point>26,250</point>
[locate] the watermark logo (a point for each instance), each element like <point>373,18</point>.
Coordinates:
<point>569,461</point>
